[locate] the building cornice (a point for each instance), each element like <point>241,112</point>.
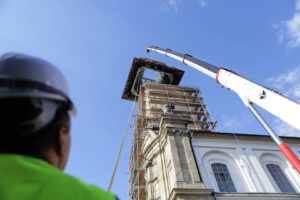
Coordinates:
<point>241,137</point>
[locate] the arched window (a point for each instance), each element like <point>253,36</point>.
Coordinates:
<point>223,178</point>
<point>280,179</point>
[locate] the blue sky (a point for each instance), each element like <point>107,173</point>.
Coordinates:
<point>94,42</point>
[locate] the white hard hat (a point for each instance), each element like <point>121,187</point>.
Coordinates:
<point>26,76</point>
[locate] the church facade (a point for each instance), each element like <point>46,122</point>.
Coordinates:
<point>211,165</point>
<point>182,158</point>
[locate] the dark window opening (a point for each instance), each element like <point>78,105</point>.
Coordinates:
<point>280,179</point>
<point>223,178</point>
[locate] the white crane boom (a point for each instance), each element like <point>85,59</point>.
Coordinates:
<point>250,93</point>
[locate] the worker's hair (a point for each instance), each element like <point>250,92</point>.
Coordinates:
<point>16,110</point>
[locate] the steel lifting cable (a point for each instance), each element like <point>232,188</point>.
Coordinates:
<point>121,147</point>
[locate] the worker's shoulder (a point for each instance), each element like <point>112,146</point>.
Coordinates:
<point>38,176</point>
<point>73,186</point>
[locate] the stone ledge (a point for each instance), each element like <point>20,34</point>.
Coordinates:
<point>205,194</point>
<point>258,196</point>
<point>178,193</point>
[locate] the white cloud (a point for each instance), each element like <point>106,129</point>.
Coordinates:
<point>280,38</point>
<point>231,124</point>
<point>285,129</point>
<point>164,7</point>
<point>290,29</point>
<point>289,85</point>
<point>298,5</point>
<point>280,33</point>
<point>173,3</point>
<point>167,5</point>
<point>293,30</point>
<point>202,3</point>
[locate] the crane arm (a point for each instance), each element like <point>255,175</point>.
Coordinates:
<point>250,93</point>
<point>273,102</point>
<point>199,65</point>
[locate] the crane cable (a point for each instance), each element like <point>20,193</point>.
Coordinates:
<point>121,147</point>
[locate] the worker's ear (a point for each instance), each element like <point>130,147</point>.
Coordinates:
<point>63,147</point>
<point>63,142</point>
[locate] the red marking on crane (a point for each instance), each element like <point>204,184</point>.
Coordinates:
<point>184,57</point>
<point>148,50</point>
<point>218,75</point>
<point>290,156</point>
<point>167,51</point>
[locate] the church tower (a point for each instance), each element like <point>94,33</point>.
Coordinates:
<point>161,154</point>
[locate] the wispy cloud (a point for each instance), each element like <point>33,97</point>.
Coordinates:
<point>164,7</point>
<point>202,3</point>
<point>168,5</point>
<point>293,27</point>
<point>289,85</point>
<point>285,129</point>
<point>290,29</point>
<point>173,4</point>
<point>230,123</point>
<point>280,32</point>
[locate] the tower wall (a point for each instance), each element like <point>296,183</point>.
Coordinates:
<point>162,158</point>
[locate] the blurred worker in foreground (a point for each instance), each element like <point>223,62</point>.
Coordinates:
<point>35,111</point>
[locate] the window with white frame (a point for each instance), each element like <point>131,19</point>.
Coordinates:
<point>223,178</point>
<point>280,179</point>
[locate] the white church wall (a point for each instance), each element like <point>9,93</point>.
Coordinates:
<point>226,157</point>
<point>246,161</point>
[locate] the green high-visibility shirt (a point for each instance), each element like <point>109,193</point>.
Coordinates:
<point>28,178</point>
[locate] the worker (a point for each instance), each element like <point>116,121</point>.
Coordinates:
<point>35,111</point>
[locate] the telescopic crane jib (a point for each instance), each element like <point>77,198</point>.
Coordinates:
<point>250,93</point>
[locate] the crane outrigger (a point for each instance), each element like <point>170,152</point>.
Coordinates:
<point>250,93</point>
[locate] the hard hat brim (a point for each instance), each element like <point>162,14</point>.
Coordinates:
<point>4,93</point>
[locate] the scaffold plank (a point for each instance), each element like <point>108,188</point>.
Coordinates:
<point>169,87</point>
<point>175,103</point>
<point>171,94</point>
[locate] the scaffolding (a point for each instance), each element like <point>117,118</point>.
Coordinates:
<point>154,100</point>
